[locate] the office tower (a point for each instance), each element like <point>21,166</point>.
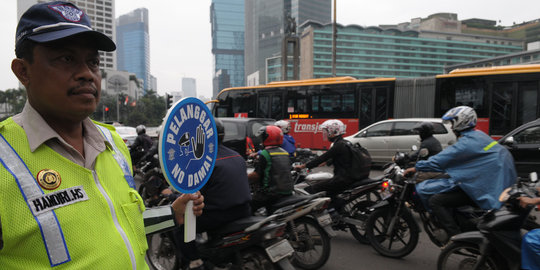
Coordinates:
<point>266,24</point>
<point>100,12</point>
<point>227,20</point>
<point>133,45</point>
<point>189,87</point>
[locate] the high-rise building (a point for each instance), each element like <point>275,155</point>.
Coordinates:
<point>267,23</point>
<point>100,12</point>
<point>227,20</point>
<point>133,45</point>
<point>369,52</point>
<point>189,87</point>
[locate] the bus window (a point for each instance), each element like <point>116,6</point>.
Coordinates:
<point>263,110</point>
<point>501,110</point>
<point>528,102</point>
<point>277,109</point>
<point>243,102</point>
<point>296,101</point>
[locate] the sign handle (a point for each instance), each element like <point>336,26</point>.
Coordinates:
<point>190,223</point>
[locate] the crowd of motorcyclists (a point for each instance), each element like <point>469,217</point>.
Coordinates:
<point>473,171</point>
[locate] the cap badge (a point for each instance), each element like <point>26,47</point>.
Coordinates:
<point>49,179</point>
<point>68,12</point>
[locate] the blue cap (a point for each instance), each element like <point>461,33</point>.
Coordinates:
<point>45,22</point>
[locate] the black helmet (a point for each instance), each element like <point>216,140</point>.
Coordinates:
<point>424,129</point>
<point>220,130</point>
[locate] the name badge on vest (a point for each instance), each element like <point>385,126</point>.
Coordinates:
<point>57,199</point>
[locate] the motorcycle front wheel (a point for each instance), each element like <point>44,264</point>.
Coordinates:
<point>359,211</point>
<point>161,252</point>
<point>464,256</point>
<point>310,242</point>
<point>395,244</point>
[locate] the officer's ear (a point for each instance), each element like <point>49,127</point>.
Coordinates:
<point>20,69</point>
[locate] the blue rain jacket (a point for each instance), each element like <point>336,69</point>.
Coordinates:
<point>530,250</point>
<point>477,164</point>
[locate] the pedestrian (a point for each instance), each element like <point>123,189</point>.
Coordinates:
<point>67,197</point>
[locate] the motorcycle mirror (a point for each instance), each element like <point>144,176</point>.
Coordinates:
<point>533,176</point>
<point>504,195</point>
<point>414,147</point>
<point>423,152</point>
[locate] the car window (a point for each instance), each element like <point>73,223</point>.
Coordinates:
<point>382,129</point>
<point>439,128</point>
<point>403,128</point>
<point>528,136</point>
<point>231,131</point>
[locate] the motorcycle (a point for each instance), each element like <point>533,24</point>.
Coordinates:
<point>497,242</point>
<point>308,227</point>
<point>354,202</point>
<point>391,228</point>
<point>153,188</point>
<point>248,244</point>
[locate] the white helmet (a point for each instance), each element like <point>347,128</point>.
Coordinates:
<point>140,129</point>
<point>461,117</point>
<point>284,125</point>
<point>333,127</point>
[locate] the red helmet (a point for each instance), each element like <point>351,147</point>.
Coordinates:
<point>271,135</point>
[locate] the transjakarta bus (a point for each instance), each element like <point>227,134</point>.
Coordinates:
<point>504,97</point>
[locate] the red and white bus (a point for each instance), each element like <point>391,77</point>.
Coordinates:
<point>503,97</point>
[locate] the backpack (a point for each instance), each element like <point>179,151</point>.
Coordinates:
<point>360,161</point>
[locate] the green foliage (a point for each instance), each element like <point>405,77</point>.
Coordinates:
<point>149,110</point>
<point>11,102</point>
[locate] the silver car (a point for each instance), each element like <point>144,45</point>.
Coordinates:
<point>128,134</point>
<point>383,139</point>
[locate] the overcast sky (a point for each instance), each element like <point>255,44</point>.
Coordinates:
<point>180,38</point>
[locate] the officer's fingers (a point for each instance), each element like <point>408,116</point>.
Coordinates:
<point>179,207</point>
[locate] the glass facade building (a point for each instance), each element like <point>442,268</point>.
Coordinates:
<point>133,45</point>
<point>227,22</point>
<point>266,23</point>
<point>374,52</point>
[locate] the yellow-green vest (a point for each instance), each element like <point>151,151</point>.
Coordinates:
<point>98,233</point>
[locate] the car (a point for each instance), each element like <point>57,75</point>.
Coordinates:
<point>524,144</point>
<point>384,138</point>
<point>128,134</point>
<point>241,133</point>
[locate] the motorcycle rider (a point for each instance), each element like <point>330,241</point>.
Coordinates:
<point>141,145</point>
<point>289,144</point>
<point>530,244</point>
<point>427,141</point>
<point>227,195</point>
<point>478,171</point>
<point>339,155</point>
<point>272,174</point>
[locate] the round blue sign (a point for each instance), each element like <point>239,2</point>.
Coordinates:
<point>188,145</point>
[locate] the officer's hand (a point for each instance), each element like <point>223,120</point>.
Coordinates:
<point>198,144</point>
<point>179,205</point>
<point>409,171</point>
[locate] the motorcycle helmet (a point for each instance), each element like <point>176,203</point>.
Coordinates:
<point>461,118</point>
<point>270,135</point>
<point>332,128</point>
<point>141,129</point>
<point>424,129</point>
<point>284,125</point>
<point>220,130</point>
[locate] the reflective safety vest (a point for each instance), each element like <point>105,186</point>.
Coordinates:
<point>92,220</point>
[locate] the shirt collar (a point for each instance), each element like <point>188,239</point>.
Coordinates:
<point>38,131</point>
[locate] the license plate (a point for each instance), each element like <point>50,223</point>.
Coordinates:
<point>279,250</point>
<point>324,219</point>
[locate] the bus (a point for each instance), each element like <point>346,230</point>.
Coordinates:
<point>504,97</point>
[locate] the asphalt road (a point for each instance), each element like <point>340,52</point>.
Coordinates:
<point>349,254</point>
